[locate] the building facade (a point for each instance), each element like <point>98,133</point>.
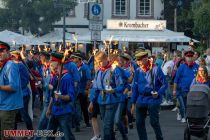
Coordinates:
<point>77,19</point>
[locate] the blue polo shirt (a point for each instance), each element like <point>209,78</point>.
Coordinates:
<point>61,107</point>
<point>73,71</point>
<point>184,77</point>
<point>10,76</point>
<point>85,75</point>
<point>24,77</point>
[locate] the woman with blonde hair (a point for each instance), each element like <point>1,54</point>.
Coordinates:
<point>202,76</point>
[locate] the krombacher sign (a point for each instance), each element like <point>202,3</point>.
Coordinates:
<point>136,24</point>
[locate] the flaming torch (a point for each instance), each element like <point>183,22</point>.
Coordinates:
<point>110,41</point>
<point>61,69</point>
<point>31,74</point>
<point>114,65</point>
<point>39,48</point>
<point>75,39</point>
<point>60,48</point>
<point>45,48</point>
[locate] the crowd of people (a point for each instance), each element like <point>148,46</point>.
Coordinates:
<point>113,86</point>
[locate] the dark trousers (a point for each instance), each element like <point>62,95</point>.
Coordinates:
<point>24,113</point>
<point>33,98</point>
<point>108,113</point>
<point>130,116</point>
<point>84,106</point>
<point>40,96</point>
<point>141,114</point>
<point>43,121</point>
<point>7,121</point>
<point>63,124</point>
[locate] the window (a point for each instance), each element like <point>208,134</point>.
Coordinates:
<point>120,8</point>
<point>71,13</point>
<point>86,10</point>
<point>144,7</point>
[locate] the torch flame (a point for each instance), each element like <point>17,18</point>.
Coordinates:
<point>114,65</point>
<point>110,41</point>
<point>60,48</point>
<point>65,54</point>
<point>45,48</point>
<point>151,62</point>
<point>22,54</point>
<point>39,48</point>
<point>94,51</point>
<point>31,53</point>
<point>104,42</point>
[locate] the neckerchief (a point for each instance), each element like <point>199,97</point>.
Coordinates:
<point>53,74</point>
<point>190,65</point>
<point>64,71</point>
<point>148,66</point>
<point>79,65</point>
<point>127,65</point>
<point>4,62</point>
<point>67,61</point>
<point>201,80</point>
<point>106,67</point>
<point>46,66</point>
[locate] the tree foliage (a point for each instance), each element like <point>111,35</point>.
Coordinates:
<point>168,14</point>
<point>192,18</point>
<point>36,16</point>
<point>201,20</point>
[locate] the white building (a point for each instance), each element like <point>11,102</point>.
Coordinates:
<point>1,4</point>
<point>77,21</point>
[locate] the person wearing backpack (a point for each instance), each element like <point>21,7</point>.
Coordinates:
<point>149,85</point>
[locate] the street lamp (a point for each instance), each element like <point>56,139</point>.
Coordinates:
<point>64,4</point>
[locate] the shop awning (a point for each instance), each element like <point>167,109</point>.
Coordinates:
<point>145,36</point>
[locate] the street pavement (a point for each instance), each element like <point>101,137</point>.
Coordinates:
<point>171,128</point>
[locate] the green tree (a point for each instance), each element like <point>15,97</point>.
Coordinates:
<point>185,18</point>
<point>36,16</point>
<point>168,14</point>
<point>201,21</point>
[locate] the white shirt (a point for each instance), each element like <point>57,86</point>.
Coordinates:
<point>208,62</point>
<point>168,64</point>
